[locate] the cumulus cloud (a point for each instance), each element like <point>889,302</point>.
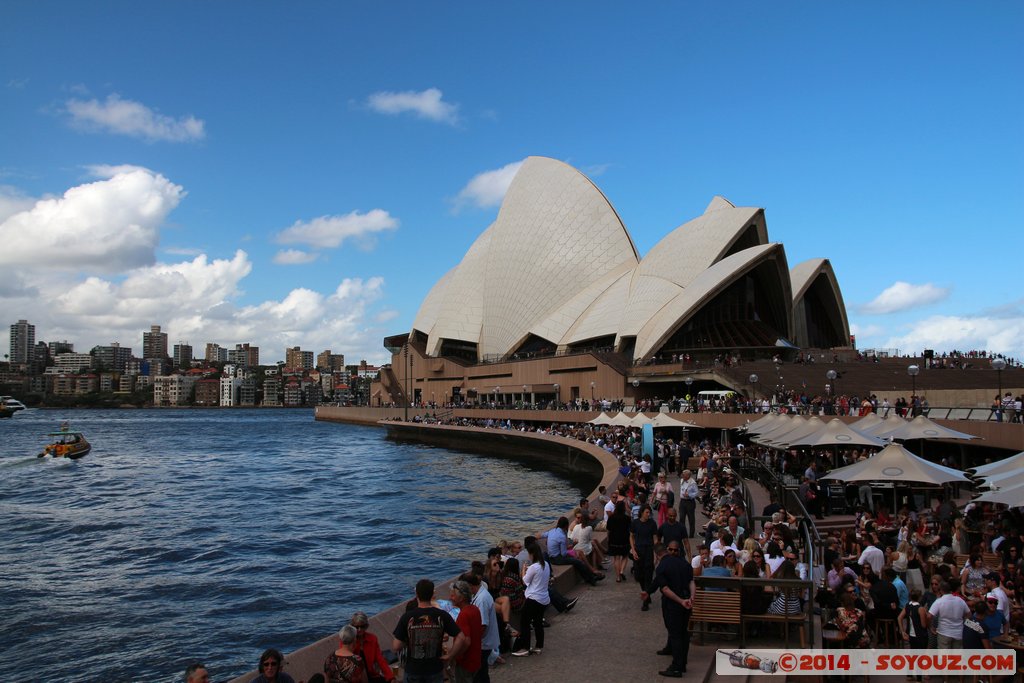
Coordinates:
<point>903,296</point>
<point>866,331</point>
<point>108,225</point>
<point>294,257</point>
<point>1004,334</point>
<point>328,232</point>
<point>134,119</point>
<point>488,188</point>
<point>428,104</point>
<point>12,201</point>
<point>197,301</point>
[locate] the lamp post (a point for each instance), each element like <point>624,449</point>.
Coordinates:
<point>832,376</point>
<point>592,385</point>
<point>912,370</point>
<point>524,396</point>
<point>753,386</point>
<point>999,364</point>
<point>497,391</point>
<point>557,398</point>
<point>689,384</point>
<point>408,372</point>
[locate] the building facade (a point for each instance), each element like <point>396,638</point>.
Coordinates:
<point>23,343</point>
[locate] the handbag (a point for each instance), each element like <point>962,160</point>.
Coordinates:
<point>670,498</point>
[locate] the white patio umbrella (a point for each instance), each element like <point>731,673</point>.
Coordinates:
<point>894,463</point>
<point>764,424</point>
<point>837,433</point>
<point>620,420</point>
<point>873,425</point>
<point>782,424</point>
<point>601,419</point>
<point>800,430</point>
<point>1011,464</point>
<point>639,420</point>
<point>1014,497</point>
<point>1003,480</point>
<point>664,420</point>
<point>923,428</point>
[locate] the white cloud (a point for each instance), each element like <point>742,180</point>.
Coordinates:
<point>488,189</point>
<point>134,119</point>
<point>427,104</point>
<point>294,257</point>
<point>328,232</point>
<point>12,201</point>
<point>903,296</point>
<point>964,333</point>
<point>197,301</point>
<point>108,225</point>
<point>866,331</point>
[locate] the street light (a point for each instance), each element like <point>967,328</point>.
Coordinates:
<point>912,370</point>
<point>999,364</point>
<point>524,395</point>
<point>753,385</point>
<point>592,385</point>
<point>831,376</point>
<point>497,391</point>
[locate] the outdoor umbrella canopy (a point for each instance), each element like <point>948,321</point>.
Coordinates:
<point>1014,497</point>
<point>620,420</point>
<point>1011,464</point>
<point>764,424</point>
<point>1003,480</point>
<point>896,464</point>
<point>873,425</point>
<point>799,431</point>
<point>781,425</point>
<point>601,419</point>
<point>923,428</point>
<point>837,433</point>
<point>639,420</point>
<point>665,420</point>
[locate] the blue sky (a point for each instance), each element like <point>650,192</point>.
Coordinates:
<point>301,175</point>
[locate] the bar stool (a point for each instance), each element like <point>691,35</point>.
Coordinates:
<point>885,633</point>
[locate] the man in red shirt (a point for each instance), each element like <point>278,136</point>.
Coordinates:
<point>469,621</point>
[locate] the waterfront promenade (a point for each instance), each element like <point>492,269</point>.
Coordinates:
<point>606,637</point>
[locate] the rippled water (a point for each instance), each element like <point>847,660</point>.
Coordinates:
<point>213,534</point>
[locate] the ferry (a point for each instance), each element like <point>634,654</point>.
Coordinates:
<point>11,403</point>
<point>67,444</point>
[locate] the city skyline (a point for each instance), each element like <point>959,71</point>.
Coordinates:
<point>300,178</point>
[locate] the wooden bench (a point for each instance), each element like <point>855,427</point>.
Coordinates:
<point>715,607</point>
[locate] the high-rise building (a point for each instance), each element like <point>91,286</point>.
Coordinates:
<point>183,355</point>
<point>154,343</point>
<point>23,342</point>
<point>245,355</point>
<point>215,353</point>
<point>297,359</point>
<point>114,358</point>
<point>61,347</point>
<point>331,362</point>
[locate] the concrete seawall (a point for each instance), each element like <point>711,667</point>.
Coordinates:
<point>560,454</point>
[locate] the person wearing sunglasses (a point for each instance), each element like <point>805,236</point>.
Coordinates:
<point>368,647</point>
<point>271,662</point>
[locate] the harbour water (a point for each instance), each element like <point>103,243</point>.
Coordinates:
<point>212,534</point>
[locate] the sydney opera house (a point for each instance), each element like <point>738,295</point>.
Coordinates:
<point>553,300</point>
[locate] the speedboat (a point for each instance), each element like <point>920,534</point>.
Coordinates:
<point>67,444</point>
<point>11,403</point>
<point>5,411</point>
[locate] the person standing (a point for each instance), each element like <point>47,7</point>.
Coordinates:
<point>368,647</point>
<point>947,618</point>
<point>344,665</point>
<point>467,662</point>
<point>674,577</point>
<point>491,639</point>
<point>688,493</point>
<point>641,543</point>
<point>536,578</point>
<point>421,632</point>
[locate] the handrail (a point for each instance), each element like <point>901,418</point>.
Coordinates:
<point>789,499</point>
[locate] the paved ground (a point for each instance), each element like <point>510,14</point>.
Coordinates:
<point>606,638</point>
